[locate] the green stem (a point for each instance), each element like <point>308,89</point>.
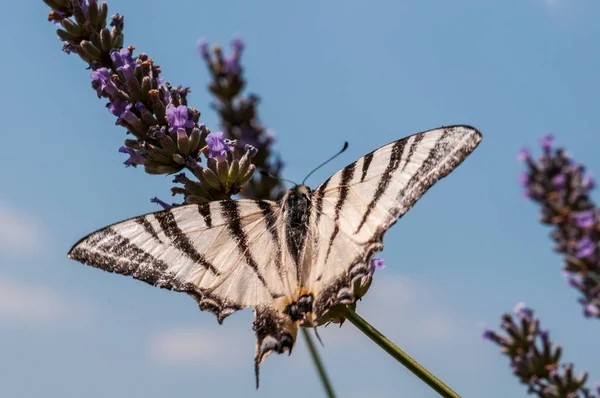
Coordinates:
<point>398,354</point>
<point>317,360</point>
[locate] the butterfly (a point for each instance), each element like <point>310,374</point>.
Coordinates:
<point>294,260</point>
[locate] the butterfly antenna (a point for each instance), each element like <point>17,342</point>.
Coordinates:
<point>327,161</point>
<point>265,173</point>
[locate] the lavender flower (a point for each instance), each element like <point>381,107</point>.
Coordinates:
<point>546,142</point>
<point>562,187</point>
<point>376,263</point>
<point>103,83</point>
<point>166,135</point>
<point>178,118</point>
<point>523,154</point>
<point>135,158</point>
<point>535,359</point>
<point>217,146</point>
<point>122,58</point>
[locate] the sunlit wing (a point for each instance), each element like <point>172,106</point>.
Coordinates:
<point>355,207</point>
<point>227,255</point>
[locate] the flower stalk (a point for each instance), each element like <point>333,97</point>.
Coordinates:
<point>318,363</point>
<point>416,368</point>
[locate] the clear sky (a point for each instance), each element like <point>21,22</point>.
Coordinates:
<point>328,71</point>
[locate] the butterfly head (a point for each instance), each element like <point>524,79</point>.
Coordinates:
<point>301,190</point>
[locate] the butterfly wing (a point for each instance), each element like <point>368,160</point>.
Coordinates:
<point>227,255</point>
<point>355,207</point>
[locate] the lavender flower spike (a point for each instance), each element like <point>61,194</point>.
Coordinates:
<point>561,187</point>
<point>535,359</point>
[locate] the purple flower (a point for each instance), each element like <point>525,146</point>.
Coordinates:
<point>574,282</point>
<point>546,142</point>
<point>217,146</point>
<point>164,205</point>
<point>585,247</point>
<point>559,181</point>
<point>117,107</point>
<point>522,311</point>
<point>376,263</point>
<point>523,154</point>
<point>585,219</point>
<point>128,116</point>
<point>178,118</point>
<point>104,82</point>
<point>587,182</point>
<point>488,334</point>
<point>134,157</point>
<point>238,45</point>
<point>121,58</point>
<point>590,310</point>
<point>203,47</point>
<point>232,64</point>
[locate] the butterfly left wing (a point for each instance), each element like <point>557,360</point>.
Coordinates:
<point>227,255</point>
<point>355,207</point>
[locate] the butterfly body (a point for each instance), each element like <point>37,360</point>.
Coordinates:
<point>293,261</point>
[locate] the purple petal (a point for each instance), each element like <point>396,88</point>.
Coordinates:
<point>238,45</point>
<point>216,145</point>
<point>117,107</point>
<point>585,247</point>
<point>122,58</point>
<point>587,182</point>
<point>488,334</point>
<point>523,154</point>
<point>134,157</point>
<point>203,47</point>
<point>522,311</point>
<point>585,219</point>
<point>559,181</point>
<point>376,263</point>
<point>105,84</point>
<point>178,118</point>
<point>591,310</point>
<point>546,142</point>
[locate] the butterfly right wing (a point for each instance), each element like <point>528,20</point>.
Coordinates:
<point>355,207</point>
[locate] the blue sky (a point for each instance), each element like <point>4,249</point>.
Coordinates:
<point>365,72</point>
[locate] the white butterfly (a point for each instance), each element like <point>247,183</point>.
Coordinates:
<point>293,260</point>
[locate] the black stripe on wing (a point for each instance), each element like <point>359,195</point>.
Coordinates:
<point>231,213</point>
<point>271,222</point>
<point>181,241</point>
<point>386,178</point>
<point>347,174</point>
